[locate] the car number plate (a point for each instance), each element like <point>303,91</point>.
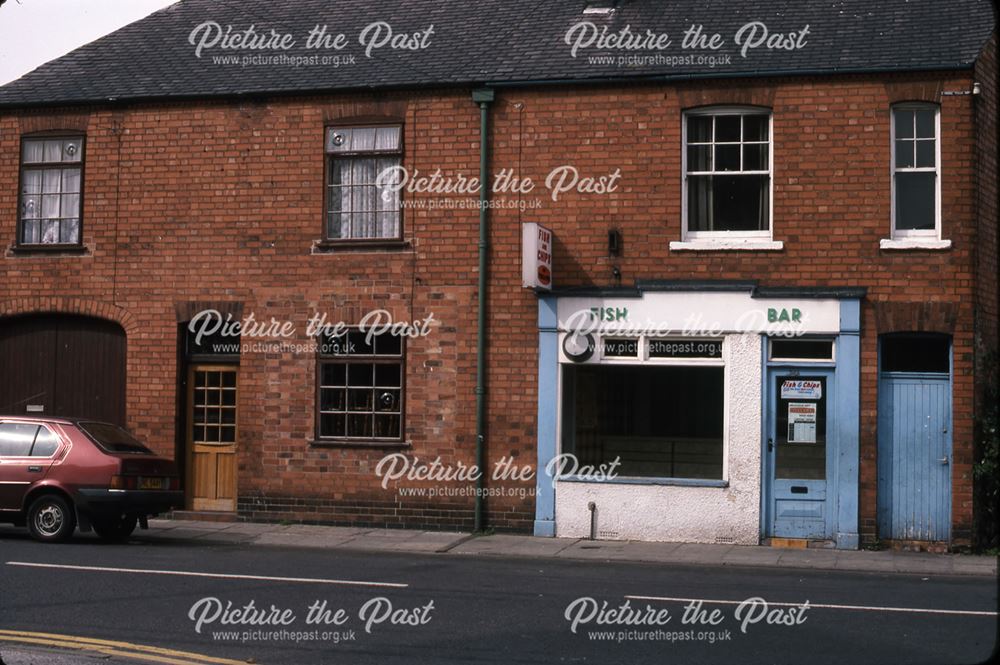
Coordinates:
<point>152,483</point>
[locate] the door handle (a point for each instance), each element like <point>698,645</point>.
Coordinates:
<point>34,469</point>
<point>770,444</point>
<point>943,460</point>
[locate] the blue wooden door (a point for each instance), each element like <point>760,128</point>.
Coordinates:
<point>798,455</point>
<point>914,456</point>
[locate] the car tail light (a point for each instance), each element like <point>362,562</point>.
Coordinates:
<point>122,482</point>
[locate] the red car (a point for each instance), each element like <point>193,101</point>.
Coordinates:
<point>56,473</point>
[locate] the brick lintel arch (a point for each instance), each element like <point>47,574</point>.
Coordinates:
<point>78,306</point>
<point>908,317</point>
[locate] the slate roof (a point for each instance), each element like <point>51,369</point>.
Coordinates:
<point>500,42</point>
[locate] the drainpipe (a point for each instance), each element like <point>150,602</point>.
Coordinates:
<point>483,97</point>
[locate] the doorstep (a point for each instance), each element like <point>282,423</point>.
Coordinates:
<point>202,516</point>
<point>799,543</point>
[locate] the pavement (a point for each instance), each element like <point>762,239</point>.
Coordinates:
<point>350,539</point>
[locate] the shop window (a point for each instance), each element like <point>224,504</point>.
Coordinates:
<point>927,354</point>
<point>916,176</point>
<point>51,184</point>
<point>727,174</point>
<point>360,392</point>
<point>661,421</point>
<point>802,350</point>
<point>362,200</point>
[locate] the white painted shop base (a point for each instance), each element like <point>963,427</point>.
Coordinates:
<point>679,513</point>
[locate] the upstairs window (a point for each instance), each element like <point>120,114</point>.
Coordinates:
<point>916,171</point>
<point>359,204</point>
<point>727,174</point>
<point>51,179</point>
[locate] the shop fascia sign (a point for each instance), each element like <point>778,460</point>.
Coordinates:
<point>698,314</point>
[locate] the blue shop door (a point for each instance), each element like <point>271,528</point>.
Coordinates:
<point>914,456</point>
<point>798,455</point>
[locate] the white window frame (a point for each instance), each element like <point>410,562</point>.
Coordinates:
<point>916,234</point>
<point>644,360</point>
<point>738,237</point>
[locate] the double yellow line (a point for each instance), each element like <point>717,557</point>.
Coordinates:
<point>112,648</point>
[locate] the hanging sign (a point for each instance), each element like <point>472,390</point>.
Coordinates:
<point>536,256</point>
<point>802,389</point>
<point>802,422</point>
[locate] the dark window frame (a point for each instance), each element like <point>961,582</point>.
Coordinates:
<point>367,359</point>
<point>63,135</point>
<point>360,123</point>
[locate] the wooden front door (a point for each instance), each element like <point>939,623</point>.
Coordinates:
<point>212,437</point>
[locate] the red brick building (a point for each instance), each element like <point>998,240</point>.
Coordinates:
<point>843,185</point>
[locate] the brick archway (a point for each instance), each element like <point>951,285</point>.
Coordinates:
<point>80,306</point>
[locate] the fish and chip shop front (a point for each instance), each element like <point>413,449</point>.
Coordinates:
<point>725,413</point>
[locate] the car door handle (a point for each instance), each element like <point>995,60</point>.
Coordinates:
<point>34,469</point>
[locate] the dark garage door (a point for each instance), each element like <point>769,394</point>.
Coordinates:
<point>63,366</point>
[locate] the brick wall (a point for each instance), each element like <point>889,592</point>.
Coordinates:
<point>986,73</point>
<point>223,202</point>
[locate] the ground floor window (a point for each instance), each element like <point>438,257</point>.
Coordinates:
<point>360,392</point>
<point>662,421</point>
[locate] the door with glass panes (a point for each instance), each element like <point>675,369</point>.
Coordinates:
<point>798,454</point>
<point>212,437</point>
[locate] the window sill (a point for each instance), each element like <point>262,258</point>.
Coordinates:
<point>914,243</point>
<point>49,250</point>
<point>632,480</point>
<point>723,245</point>
<point>336,246</point>
<point>358,443</point>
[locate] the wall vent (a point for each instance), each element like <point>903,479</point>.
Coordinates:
<point>607,535</point>
<point>725,540</point>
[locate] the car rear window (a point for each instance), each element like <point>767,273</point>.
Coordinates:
<point>114,439</point>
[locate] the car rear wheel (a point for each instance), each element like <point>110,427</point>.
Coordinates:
<point>51,519</point>
<point>115,529</point>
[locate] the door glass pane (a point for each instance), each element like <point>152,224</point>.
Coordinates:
<point>800,436</point>
<point>213,414</point>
